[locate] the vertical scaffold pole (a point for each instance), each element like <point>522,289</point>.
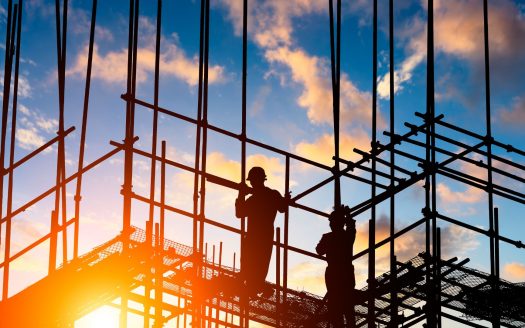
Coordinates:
<point>372,222</point>
<point>129,140</point>
<point>17,23</point>
<point>60,192</point>
<point>83,131</point>
<point>202,205</point>
<point>153,166</point>
<point>5,104</point>
<point>428,211</point>
<point>393,293</point>
<point>244,320</point>
<point>335,60</point>
<point>286,230</point>
<point>197,252</point>
<point>488,140</point>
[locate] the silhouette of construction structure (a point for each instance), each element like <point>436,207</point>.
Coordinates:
<point>426,288</point>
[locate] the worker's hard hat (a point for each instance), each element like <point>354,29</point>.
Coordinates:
<point>256,172</point>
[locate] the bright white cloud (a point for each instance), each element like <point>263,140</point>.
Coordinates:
<point>34,128</point>
<point>111,67</point>
<point>24,87</point>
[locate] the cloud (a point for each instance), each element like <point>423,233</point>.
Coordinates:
<point>515,115</point>
<point>270,21</point>
<point>308,276</point>
<point>322,149</point>
<point>260,100</point>
<point>34,129</point>
<point>111,67</point>
<point>460,241</point>
<point>469,195</point>
<point>219,164</point>
<point>24,87</point>
<point>82,24</point>
<point>313,75</point>
<point>514,271</point>
<point>417,49</point>
<point>460,35</point>
<point>272,30</point>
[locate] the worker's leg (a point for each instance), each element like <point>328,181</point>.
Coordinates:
<point>262,255</point>
<point>335,308</point>
<point>349,298</point>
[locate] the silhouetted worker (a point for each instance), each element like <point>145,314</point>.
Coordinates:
<point>339,276</point>
<point>260,209</point>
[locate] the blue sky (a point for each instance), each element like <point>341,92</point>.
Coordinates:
<point>289,107</point>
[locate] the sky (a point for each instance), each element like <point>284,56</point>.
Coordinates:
<point>289,106</point>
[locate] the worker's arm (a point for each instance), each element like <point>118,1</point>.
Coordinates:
<point>351,231</point>
<point>282,202</point>
<point>240,207</point>
<point>321,246</point>
<point>240,202</point>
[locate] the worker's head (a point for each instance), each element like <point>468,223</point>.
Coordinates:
<point>339,217</point>
<point>256,176</point>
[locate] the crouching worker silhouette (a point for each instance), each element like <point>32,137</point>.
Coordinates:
<point>339,276</point>
<point>256,247</point>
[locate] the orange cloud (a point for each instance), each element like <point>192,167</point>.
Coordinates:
<point>308,276</point>
<point>322,149</point>
<point>312,74</point>
<point>514,271</point>
<point>459,241</point>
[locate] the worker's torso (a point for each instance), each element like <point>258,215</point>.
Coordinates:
<point>339,250</point>
<point>261,211</point>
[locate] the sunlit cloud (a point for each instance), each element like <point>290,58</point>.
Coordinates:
<point>111,67</point>
<point>468,196</point>
<point>460,35</point>
<point>219,164</point>
<point>459,243</point>
<point>272,30</point>
<point>322,149</point>
<point>308,276</point>
<point>514,271</point>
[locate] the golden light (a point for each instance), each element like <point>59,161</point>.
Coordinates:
<point>103,317</point>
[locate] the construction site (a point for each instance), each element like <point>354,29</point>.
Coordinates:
<point>148,271</point>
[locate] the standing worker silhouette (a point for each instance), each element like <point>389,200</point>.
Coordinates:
<point>339,275</point>
<point>256,247</point>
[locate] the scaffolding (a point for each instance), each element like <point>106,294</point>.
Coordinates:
<point>425,288</point>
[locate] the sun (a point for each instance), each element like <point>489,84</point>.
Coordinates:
<point>103,317</point>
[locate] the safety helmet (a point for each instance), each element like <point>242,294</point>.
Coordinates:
<point>256,172</point>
